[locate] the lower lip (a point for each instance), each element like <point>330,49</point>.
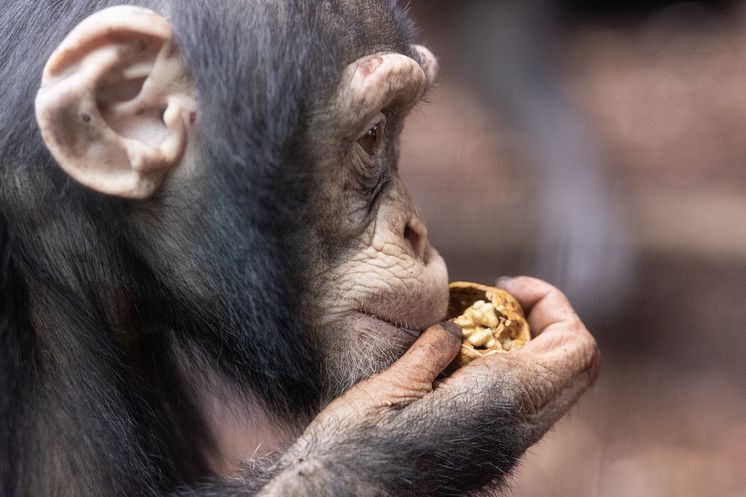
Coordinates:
<point>385,328</point>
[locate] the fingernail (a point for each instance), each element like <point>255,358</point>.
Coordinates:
<point>451,328</point>
<point>504,279</point>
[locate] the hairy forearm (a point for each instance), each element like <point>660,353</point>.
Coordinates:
<point>297,474</point>
<point>238,487</point>
<point>320,479</point>
<point>301,479</point>
<point>385,459</point>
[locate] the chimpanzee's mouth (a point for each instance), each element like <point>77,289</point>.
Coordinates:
<point>414,332</point>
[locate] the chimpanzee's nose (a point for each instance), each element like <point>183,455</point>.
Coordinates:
<point>415,234</point>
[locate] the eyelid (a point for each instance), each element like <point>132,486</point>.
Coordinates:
<point>379,118</point>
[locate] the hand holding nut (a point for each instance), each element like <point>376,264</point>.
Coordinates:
<point>491,320</point>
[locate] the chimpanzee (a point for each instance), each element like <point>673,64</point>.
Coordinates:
<point>212,280</point>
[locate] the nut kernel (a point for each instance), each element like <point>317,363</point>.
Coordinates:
<point>491,320</point>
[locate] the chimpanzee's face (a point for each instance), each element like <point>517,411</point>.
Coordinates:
<point>378,281</point>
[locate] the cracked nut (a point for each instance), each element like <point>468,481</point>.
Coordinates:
<point>491,320</point>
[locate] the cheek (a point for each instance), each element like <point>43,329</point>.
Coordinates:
<point>384,274</point>
<point>384,279</point>
<point>388,285</point>
<point>367,303</point>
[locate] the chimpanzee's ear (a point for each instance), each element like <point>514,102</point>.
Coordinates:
<point>115,102</point>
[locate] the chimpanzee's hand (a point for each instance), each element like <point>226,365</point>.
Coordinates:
<point>408,431</point>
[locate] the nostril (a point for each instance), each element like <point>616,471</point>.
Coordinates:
<point>417,240</point>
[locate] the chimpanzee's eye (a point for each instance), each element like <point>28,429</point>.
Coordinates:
<point>372,139</point>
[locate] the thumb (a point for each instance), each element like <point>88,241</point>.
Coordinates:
<point>408,379</point>
<point>433,351</point>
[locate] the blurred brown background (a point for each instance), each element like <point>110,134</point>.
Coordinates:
<point>602,146</point>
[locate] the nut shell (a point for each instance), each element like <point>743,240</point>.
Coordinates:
<point>483,335</point>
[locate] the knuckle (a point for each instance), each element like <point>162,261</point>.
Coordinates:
<point>530,396</point>
<point>581,358</point>
<point>588,346</point>
<point>540,285</point>
<point>593,358</point>
<point>558,296</point>
<point>530,280</point>
<point>584,355</point>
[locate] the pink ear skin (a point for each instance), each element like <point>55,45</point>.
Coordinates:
<point>115,105</point>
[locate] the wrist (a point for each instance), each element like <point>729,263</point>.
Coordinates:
<point>316,478</point>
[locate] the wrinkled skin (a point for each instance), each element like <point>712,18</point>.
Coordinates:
<point>380,282</point>
<point>388,280</point>
<point>531,388</point>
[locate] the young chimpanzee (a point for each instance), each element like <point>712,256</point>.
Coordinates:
<point>212,280</point>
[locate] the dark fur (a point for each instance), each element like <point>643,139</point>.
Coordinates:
<point>93,308</point>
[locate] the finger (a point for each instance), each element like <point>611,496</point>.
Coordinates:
<point>433,351</point>
<point>408,379</point>
<point>545,377</point>
<point>563,353</point>
<point>544,304</point>
<point>556,327</point>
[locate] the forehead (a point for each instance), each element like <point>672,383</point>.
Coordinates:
<point>360,27</point>
<point>262,66</point>
<point>305,34</point>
